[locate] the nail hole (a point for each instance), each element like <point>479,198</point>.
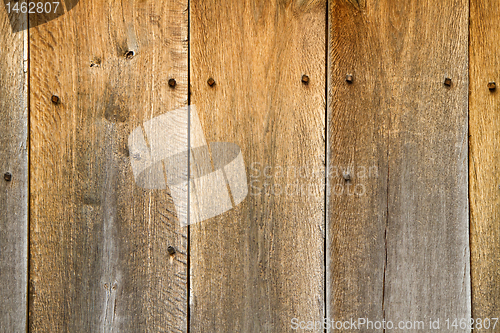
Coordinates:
<point>172,83</point>
<point>349,78</point>
<point>447,82</point>
<point>7,176</point>
<point>95,63</point>
<point>130,54</point>
<point>55,99</point>
<point>492,85</point>
<point>211,82</point>
<point>305,79</point>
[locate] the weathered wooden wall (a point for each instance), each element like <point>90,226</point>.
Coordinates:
<point>403,152</point>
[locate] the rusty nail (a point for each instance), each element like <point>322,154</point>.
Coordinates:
<point>172,83</point>
<point>55,99</point>
<point>129,54</point>
<point>447,81</point>
<point>211,82</point>
<point>171,250</point>
<point>492,85</point>
<point>305,79</point>
<point>7,176</point>
<point>349,78</point>
<point>347,176</point>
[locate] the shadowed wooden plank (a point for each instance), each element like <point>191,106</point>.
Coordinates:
<point>99,242</point>
<point>258,266</point>
<point>484,158</point>
<point>398,248</point>
<point>13,160</point>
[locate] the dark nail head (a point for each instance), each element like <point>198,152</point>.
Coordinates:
<point>211,82</point>
<point>349,78</point>
<point>305,79</point>
<point>55,99</point>
<point>347,176</point>
<point>172,83</point>
<point>171,250</point>
<point>7,176</point>
<point>447,82</point>
<point>492,85</point>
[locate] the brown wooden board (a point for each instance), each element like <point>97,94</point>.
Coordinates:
<point>14,161</point>
<point>399,248</point>
<point>259,265</point>
<point>484,158</point>
<point>99,242</point>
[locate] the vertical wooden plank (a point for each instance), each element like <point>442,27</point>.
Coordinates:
<point>484,156</point>
<point>357,162</point>
<point>261,264</point>
<point>399,250</point>
<point>99,242</point>
<point>13,160</point>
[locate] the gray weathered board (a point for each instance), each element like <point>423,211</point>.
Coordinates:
<point>13,160</point>
<point>398,242</point>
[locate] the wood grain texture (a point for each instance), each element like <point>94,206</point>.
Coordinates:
<point>99,258</point>
<point>400,250</point>
<point>14,160</point>
<point>256,267</point>
<point>484,157</point>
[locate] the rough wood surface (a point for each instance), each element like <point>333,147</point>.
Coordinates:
<point>99,243</point>
<point>14,160</point>
<point>484,156</point>
<point>399,251</point>
<point>258,266</point>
